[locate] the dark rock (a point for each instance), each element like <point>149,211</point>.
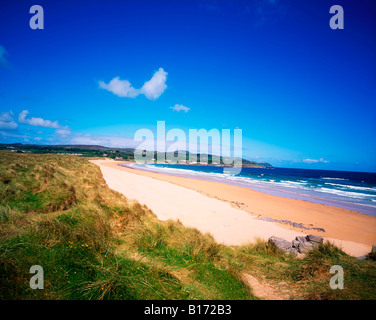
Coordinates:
<point>295,243</point>
<point>304,247</point>
<point>372,254</point>
<point>301,239</point>
<point>300,245</point>
<point>316,239</point>
<point>319,229</point>
<point>280,243</point>
<point>298,225</point>
<point>293,251</point>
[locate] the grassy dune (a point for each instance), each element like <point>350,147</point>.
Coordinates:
<point>56,211</point>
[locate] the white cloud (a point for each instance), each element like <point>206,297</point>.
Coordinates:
<point>180,107</point>
<point>6,121</point>
<point>38,122</point>
<point>6,135</point>
<point>321,160</point>
<point>103,140</point>
<point>6,116</point>
<point>152,89</point>
<point>8,125</point>
<point>121,88</point>
<point>64,131</point>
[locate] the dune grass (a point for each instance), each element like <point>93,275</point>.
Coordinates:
<point>309,278</point>
<point>57,212</point>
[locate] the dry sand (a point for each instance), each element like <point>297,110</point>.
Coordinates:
<point>231,213</point>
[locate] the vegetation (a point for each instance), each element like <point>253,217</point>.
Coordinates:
<point>80,150</point>
<point>57,211</point>
<point>100,151</point>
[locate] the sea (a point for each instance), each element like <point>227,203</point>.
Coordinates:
<point>344,189</point>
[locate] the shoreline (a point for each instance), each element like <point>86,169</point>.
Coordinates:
<point>344,227</point>
<point>310,195</point>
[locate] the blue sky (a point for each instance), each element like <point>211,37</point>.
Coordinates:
<point>303,94</point>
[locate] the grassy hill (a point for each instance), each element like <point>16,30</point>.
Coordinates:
<point>100,151</point>
<point>56,211</point>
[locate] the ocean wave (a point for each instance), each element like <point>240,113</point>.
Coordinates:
<point>293,182</point>
<point>352,187</point>
<point>349,194</point>
<point>310,187</point>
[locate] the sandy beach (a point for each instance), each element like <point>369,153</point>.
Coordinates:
<point>231,214</point>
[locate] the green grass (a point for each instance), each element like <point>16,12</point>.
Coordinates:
<point>57,211</point>
<point>309,278</point>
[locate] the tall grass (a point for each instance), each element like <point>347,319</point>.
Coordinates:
<point>57,212</point>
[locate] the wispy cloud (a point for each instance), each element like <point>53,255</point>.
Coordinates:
<point>8,125</point>
<point>152,89</point>
<point>180,107</point>
<point>7,135</point>
<point>121,88</point>
<point>3,61</point>
<point>40,122</point>
<point>103,140</point>
<point>64,131</point>
<point>321,160</point>
<point>6,121</point>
